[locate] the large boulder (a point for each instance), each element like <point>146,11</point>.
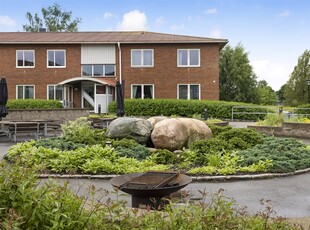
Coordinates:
<point>156,119</point>
<point>131,128</point>
<point>177,133</point>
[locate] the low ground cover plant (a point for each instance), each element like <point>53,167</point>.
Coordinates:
<point>230,151</point>
<point>28,204</point>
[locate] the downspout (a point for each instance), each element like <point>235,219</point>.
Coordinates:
<point>120,61</point>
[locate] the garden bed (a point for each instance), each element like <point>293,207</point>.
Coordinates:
<point>288,129</point>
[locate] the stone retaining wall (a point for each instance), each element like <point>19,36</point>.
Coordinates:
<point>288,129</point>
<point>53,114</point>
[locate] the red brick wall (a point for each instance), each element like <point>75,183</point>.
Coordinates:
<point>40,76</point>
<point>165,74</point>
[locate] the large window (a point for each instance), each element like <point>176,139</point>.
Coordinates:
<point>142,58</point>
<point>189,92</point>
<point>188,58</point>
<point>25,92</point>
<point>56,58</point>
<point>142,91</point>
<point>55,92</point>
<point>98,70</point>
<point>25,58</point>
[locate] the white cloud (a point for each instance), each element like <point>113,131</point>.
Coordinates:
<point>159,21</point>
<point>211,11</point>
<point>133,21</point>
<point>7,21</point>
<point>275,74</point>
<point>108,15</point>
<point>216,33</point>
<point>177,27</point>
<point>285,13</point>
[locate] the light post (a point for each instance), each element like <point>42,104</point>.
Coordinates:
<point>308,82</point>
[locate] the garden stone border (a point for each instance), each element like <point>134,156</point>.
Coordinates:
<point>194,178</point>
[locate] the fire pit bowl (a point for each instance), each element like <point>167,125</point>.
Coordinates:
<point>151,185</point>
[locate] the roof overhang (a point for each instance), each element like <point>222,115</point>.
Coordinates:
<point>108,81</point>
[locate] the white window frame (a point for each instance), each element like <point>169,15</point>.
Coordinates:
<point>54,86</point>
<point>103,70</point>
<point>34,91</point>
<point>142,90</point>
<point>188,58</point>
<point>65,58</point>
<point>34,59</point>
<point>188,91</point>
<point>142,57</point>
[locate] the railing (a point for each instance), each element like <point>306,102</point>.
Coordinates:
<point>236,110</point>
<point>300,114</point>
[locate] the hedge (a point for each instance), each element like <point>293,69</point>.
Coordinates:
<point>33,104</point>
<point>188,108</point>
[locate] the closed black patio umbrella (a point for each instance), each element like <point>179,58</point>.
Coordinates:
<point>120,107</point>
<point>3,98</point>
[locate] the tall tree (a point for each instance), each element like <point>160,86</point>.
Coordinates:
<point>237,79</point>
<point>296,90</point>
<point>54,19</point>
<point>267,96</point>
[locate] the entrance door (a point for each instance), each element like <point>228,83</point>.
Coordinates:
<point>101,100</point>
<point>68,96</point>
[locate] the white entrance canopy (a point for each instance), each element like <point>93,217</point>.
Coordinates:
<point>108,81</point>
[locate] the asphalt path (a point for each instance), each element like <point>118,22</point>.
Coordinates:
<point>289,196</point>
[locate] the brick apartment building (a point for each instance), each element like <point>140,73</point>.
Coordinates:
<point>81,68</point>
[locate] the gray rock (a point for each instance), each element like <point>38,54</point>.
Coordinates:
<point>131,128</point>
<point>177,133</point>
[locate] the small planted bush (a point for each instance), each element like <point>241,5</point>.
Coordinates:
<point>80,131</point>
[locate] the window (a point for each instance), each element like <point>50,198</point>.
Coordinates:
<point>56,58</point>
<point>25,58</point>
<point>25,92</point>
<point>142,58</point>
<point>98,70</point>
<point>55,92</point>
<point>188,58</point>
<point>190,92</point>
<point>142,91</point>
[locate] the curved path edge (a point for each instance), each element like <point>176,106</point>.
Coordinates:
<point>194,178</point>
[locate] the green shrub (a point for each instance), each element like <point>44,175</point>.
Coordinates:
<point>247,137</point>
<point>287,155</point>
<point>59,143</point>
<point>163,156</point>
<point>216,129</point>
<point>272,120</point>
<point>138,152</point>
<point>125,143</point>
<point>187,108</point>
<point>80,131</point>
<point>33,104</point>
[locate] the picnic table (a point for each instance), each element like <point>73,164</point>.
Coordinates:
<point>30,127</point>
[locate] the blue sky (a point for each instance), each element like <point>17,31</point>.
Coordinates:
<point>274,32</point>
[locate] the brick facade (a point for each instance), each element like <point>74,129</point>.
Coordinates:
<point>165,75</point>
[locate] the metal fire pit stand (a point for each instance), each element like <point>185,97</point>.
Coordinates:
<point>151,188</point>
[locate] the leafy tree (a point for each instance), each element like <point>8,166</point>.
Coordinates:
<point>296,90</point>
<point>267,96</point>
<point>54,19</point>
<point>280,93</point>
<point>237,79</point>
